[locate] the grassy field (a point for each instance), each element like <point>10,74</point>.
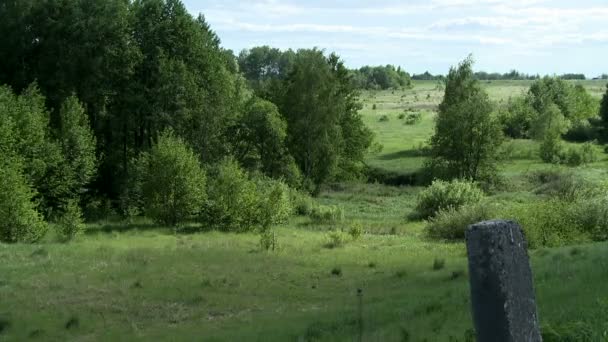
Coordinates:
<point>137,281</point>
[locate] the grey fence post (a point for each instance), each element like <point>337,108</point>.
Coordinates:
<point>502,294</point>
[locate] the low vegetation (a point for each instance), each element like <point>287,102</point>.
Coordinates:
<point>156,186</point>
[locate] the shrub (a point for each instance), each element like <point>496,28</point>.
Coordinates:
<point>413,118</point>
<point>336,239</point>
<point>438,264</point>
<point>355,231</point>
<point>268,240</point>
<point>443,195</point>
<point>580,155</point>
<point>451,224</point>
<point>327,214</point>
<point>171,181</point>
<point>273,202</point>
<point>401,116</point>
<point>384,118</point>
<point>303,204</point>
<point>238,203</point>
<point>19,220</point>
<point>232,199</point>
<point>591,216</point>
<point>565,185</point>
<point>546,223</point>
<point>71,223</point>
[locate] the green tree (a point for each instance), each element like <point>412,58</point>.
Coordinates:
<point>548,129</point>
<point>320,104</point>
<point>19,219</point>
<point>232,204</point>
<point>170,181</point>
<point>260,141</point>
<point>467,135</point>
<point>78,144</point>
<point>604,114</point>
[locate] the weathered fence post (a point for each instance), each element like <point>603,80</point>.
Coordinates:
<point>502,294</point>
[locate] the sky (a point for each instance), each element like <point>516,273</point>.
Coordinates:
<point>532,36</point>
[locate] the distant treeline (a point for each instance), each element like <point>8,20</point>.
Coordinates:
<point>512,75</point>
<point>381,77</point>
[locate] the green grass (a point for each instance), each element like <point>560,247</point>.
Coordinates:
<point>138,281</point>
<point>150,284</point>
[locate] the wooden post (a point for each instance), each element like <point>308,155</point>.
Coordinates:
<point>502,293</point>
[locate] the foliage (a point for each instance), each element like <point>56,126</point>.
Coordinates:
<point>566,185</point>
<point>604,115</point>
<point>170,181</point>
<point>237,203</point>
<point>327,214</point>
<point>413,118</point>
<point>336,239</point>
<point>274,202</point>
<point>548,128</point>
<point>268,240</point>
<point>259,140</point>
<point>381,77</point>
<point>78,145</point>
<point>19,220</point>
<point>517,117</point>
<point>326,135</point>
<point>467,135</point>
<point>546,223</point>
<point>580,155</point>
<point>442,195</point>
<point>303,204</point>
<point>71,223</point>
<point>355,231</point>
<point>572,101</point>
<point>451,223</point>
<point>137,67</point>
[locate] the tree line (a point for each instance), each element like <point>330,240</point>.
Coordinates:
<point>136,104</point>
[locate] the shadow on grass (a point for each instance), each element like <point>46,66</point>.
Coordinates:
<point>404,154</point>
<point>124,227</point>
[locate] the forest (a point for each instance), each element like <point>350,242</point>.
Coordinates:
<point>155,185</point>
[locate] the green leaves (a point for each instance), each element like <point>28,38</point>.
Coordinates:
<point>170,181</point>
<point>467,135</point>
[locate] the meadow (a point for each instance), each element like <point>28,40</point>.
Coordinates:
<point>138,281</point>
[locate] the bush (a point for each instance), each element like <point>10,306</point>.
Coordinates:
<point>591,217</point>
<point>413,118</point>
<point>443,195</point>
<point>451,224</point>
<point>232,199</point>
<point>327,214</point>
<point>19,220</point>
<point>238,203</point>
<point>268,240</point>
<point>273,202</point>
<point>580,155</point>
<point>384,118</point>
<point>170,181</point>
<point>401,116</point>
<point>336,239</point>
<point>355,231</point>
<point>303,204</point>
<point>71,223</point>
<point>546,223</point>
<point>583,131</point>
<point>565,185</point>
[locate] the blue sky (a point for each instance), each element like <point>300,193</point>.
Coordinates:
<point>533,36</point>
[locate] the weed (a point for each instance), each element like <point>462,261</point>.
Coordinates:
<point>438,264</point>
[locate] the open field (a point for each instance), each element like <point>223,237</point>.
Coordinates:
<point>138,281</point>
